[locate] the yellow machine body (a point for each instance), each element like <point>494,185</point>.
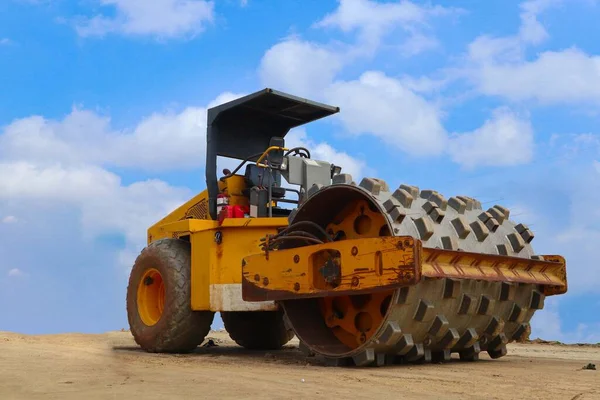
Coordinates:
<point>218,249</point>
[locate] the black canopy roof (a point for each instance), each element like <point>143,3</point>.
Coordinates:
<point>243,127</point>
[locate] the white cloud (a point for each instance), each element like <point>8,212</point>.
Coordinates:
<point>375,103</point>
<point>384,107</point>
<point>568,76</point>
<point>103,202</point>
<point>486,48</point>
<point>596,165</point>
<point>225,97</point>
<point>307,68</point>
<point>503,140</point>
<point>391,109</point>
<point>15,272</point>
<point>575,145</point>
<point>160,141</point>
<point>418,43</point>
<point>590,141</point>
<point>165,139</point>
<point>423,84</point>
<point>27,180</point>
<point>546,324</point>
<point>5,41</point>
<point>373,17</point>
<point>375,20</point>
<point>160,18</point>
<point>498,65</point>
<point>531,30</point>
<point>9,219</point>
<point>303,68</point>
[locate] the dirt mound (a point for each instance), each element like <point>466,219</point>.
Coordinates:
<point>557,343</point>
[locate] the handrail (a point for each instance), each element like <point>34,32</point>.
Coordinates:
<point>264,155</point>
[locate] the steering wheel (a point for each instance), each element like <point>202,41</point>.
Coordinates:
<point>296,151</point>
<point>299,151</point>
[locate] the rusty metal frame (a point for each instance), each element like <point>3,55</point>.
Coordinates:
<point>384,263</point>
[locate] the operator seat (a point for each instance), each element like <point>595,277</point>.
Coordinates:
<point>265,177</point>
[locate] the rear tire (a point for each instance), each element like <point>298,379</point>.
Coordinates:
<point>257,330</point>
<point>167,325</point>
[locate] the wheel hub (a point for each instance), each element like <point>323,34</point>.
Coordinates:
<point>151,297</point>
<point>354,319</point>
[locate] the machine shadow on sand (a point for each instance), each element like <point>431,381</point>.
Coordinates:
<point>288,355</point>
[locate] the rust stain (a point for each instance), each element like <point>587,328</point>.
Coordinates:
<point>403,266</point>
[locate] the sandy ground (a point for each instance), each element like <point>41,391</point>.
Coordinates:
<point>109,366</point>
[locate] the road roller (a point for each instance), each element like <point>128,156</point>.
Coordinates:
<point>361,272</point>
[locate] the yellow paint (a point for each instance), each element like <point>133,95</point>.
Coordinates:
<point>364,264</point>
<point>183,212</point>
<point>255,222</point>
<point>375,262</point>
<point>203,252</point>
<point>550,272</point>
<point>214,263</point>
<point>151,297</point>
<point>234,187</point>
<point>561,272</point>
<point>187,225</point>
<point>357,220</point>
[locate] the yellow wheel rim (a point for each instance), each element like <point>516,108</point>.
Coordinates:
<point>151,297</point>
<point>354,319</point>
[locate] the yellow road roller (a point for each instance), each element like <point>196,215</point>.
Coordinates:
<point>361,273</point>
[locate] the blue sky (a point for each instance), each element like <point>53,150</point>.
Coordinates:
<point>102,123</point>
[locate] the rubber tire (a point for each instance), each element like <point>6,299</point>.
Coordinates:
<point>179,330</point>
<point>257,330</point>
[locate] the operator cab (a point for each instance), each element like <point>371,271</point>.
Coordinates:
<point>252,129</point>
<point>262,192</point>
